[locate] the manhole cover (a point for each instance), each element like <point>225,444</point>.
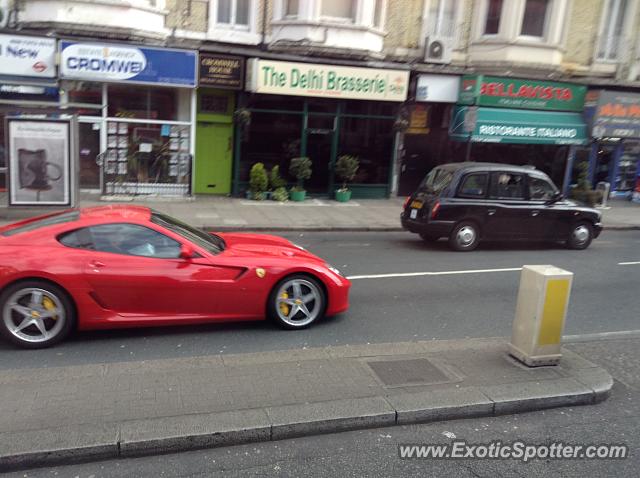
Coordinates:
<point>408,372</point>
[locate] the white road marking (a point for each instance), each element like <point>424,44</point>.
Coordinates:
<point>601,336</point>
<point>440,273</point>
<point>629,263</point>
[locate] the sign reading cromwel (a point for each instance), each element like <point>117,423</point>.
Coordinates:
<point>221,71</point>
<point>483,90</point>
<point>27,56</point>
<point>345,82</point>
<point>127,63</point>
<point>617,115</point>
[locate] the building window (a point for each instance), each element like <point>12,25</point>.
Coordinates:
<point>339,9</point>
<point>233,13</point>
<point>291,8</point>
<point>535,18</point>
<point>612,29</point>
<point>377,13</point>
<point>492,22</point>
<point>442,18</point>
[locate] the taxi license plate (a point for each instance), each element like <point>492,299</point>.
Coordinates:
<point>413,214</point>
<point>416,204</point>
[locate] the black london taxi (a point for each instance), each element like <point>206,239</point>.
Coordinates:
<point>469,202</point>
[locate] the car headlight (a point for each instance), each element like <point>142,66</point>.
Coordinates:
<point>333,269</point>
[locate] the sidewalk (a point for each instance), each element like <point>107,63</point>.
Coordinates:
<point>60,414</point>
<point>224,213</point>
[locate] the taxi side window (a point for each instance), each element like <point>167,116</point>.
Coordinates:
<point>507,186</point>
<point>540,189</point>
<point>474,186</point>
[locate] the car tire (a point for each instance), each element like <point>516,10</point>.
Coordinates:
<point>45,308</point>
<point>296,302</point>
<point>429,237</point>
<point>465,236</point>
<point>581,236</point>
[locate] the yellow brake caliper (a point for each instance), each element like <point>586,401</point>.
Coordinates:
<point>48,304</point>
<point>284,308</point>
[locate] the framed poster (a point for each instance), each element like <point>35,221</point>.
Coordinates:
<point>40,162</point>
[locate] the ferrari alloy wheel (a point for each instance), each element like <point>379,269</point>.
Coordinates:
<point>296,302</point>
<point>35,314</point>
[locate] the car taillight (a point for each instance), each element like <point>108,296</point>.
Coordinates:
<point>406,201</point>
<point>434,209</point>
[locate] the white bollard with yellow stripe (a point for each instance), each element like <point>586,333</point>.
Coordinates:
<point>542,305</point>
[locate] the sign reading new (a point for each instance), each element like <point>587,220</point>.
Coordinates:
<point>342,82</point>
<point>127,63</point>
<point>27,56</point>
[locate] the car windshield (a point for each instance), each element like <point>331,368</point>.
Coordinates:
<point>436,180</point>
<point>210,242</point>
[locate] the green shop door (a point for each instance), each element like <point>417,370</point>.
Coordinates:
<point>214,143</point>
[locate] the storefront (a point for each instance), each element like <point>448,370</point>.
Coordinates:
<point>614,158</point>
<point>426,143</point>
<point>321,112</point>
<point>27,81</point>
<point>220,77</point>
<point>522,122</point>
<point>135,107</point>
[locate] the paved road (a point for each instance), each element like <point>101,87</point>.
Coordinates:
<point>374,453</point>
<point>604,299</point>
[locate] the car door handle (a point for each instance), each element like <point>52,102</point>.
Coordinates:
<point>96,264</point>
<point>491,212</point>
<point>535,213</point>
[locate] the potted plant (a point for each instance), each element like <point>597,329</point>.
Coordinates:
<point>583,192</point>
<point>258,182</point>
<point>346,169</point>
<point>277,185</point>
<point>300,168</point>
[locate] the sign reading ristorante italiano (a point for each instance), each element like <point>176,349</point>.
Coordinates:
<point>493,91</point>
<point>306,79</point>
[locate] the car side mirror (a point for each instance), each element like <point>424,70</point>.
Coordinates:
<point>186,252</point>
<point>555,198</point>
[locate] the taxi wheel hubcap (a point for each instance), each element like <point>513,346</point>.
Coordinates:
<point>581,234</point>
<point>466,236</point>
<point>34,315</point>
<point>298,302</point>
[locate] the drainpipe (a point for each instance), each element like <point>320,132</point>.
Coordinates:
<point>263,44</point>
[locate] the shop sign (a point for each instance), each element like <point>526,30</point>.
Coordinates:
<point>615,114</point>
<point>418,120</point>
<point>437,88</point>
<point>27,56</point>
<point>221,71</point>
<point>328,81</point>
<point>127,63</point>
<point>498,92</point>
<point>494,125</point>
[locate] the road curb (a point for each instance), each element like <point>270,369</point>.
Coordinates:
<point>198,431</point>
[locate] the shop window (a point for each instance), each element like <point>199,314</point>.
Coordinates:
<point>135,102</point>
<point>275,102</point>
<point>272,139</point>
<point>213,104</point>
<point>371,140</point>
<point>370,108</point>
<point>339,9</point>
<point>507,186</point>
<point>492,21</point>
<point>474,186</point>
<point>535,18</point>
<point>233,13</point>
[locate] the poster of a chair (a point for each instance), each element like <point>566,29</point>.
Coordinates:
<point>40,162</point>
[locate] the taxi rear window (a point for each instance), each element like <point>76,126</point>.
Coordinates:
<point>44,222</point>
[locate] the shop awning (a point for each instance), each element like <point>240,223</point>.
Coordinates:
<point>500,125</point>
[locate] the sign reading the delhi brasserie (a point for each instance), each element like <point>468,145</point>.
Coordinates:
<point>498,92</point>
<point>329,81</point>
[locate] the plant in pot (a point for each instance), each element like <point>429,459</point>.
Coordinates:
<point>278,185</point>
<point>258,182</point>
<point>346,169</point>
<point>300,168</point>
<point>583,191</point>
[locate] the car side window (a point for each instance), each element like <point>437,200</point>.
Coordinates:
<point>507,186</point>
<point>79,239</point>
<point>134,240</point>
<point>474,186</point>
<point>540,189</point>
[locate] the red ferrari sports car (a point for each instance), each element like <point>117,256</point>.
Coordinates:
<point>129,266</point>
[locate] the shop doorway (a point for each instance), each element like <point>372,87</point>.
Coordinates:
<point>89,148</point>
<point>320,134</point>
<point>213,158</point>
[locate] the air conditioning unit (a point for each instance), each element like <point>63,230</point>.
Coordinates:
<point>437,50</point>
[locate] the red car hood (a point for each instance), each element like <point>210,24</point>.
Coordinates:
<point>241,244</point>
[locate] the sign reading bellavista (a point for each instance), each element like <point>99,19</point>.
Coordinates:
<point>498,92</point>
<point>306,79</point>
<point>614,114</point>
<point>221,71</point>
<point>127,63</point>
<point>27,56</point>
